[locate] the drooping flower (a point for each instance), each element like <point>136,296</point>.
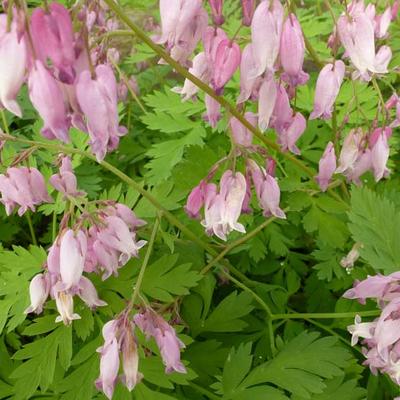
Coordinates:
<point>361,329</point>
<point>65,307</point>
<point>352,256</point>
<point>266,102</point>
<point>380,152</point>
<point>267,190</point>
<point>350,150</point>
<point>73,247</point>
<point>249,84</point>
<point>328,85</point>
<point>153,325</point>
<point>65,181</point>
<point>117,236</point>
<point>118,338</point>
<point>292,52</point>
<point>196,199</point>
<point>240,134</point>
<point>266,29</point>
<point>88,293</point>
<point>222,210</point>
<point>227,60</point>
<point>248,11</point>
<point>356,33</point>
<point>213,113</point>
<point>289,135</point>
<point>200,69</point>
<point>183,23</point>
<point>47,97</point>
<point>216,11</point>
<point>39,290</point>
<point>13,60</point>
<point>24,187</point>
<point>53,38</point>
<point>97,97</point>
<point>327,167</point>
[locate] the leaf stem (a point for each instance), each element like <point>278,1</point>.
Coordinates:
<point>370,313</point>
<point>4,120</point>
<point>139,280</point>
<point>31,230</point>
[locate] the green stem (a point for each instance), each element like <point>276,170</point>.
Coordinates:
<point>54,227</point>
<point>371,313</point>
<point>380,96</point>
<point>31,230</point>
<point>236,243</point>
<point>145,262</point>
<point>4,120</point>
<point>262,303</point>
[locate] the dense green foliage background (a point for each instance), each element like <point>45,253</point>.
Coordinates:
<point>291,265</point>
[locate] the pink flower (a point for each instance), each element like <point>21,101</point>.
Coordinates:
<point>39,290</point>
<point>267,190</point>
<point>183,23</point>
<point>359,329</point>
<point>24,187</point>
<point>109,367</point>
<point>248,11</point>
<point>53,39</point>
<point>350,150</point>
<point>380,152</point>
<point>130,359</point>
<point>73,247</point>
<point>213,114</point>
<point>65,307</point>
<point>200,69</point>
<point>47,97</point>
<point>88,293</point>
<point>227,60</point>
<point>117,236</point>
<point>328,85</point>
<point>65,181</point>
<point>282,114</point>
<point>266,101</point>
<point>327,167</point>
<point>394,101</point>
<point>240,134</point>
<point>382,23</point>
<point>249,84</point>
<point>266,29</point>
<point>13,58</point>
<point>289,136</point>
<point>292,52</point>
<point>216,11</point>
<point>357,37</point>
<point>97,98</point>
<point>223,209</point>
<point>196,198</point>
<point>153,325</point>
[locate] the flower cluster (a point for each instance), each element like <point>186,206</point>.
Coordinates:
<point>68,85</point>
<point>380,337</point>
<point>99,241</point>
<point>119,337</point>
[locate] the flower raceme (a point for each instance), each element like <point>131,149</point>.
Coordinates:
<point>380,338</point>
<point>120,341</point>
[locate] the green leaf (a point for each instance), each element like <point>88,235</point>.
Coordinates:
<point>167,154</point>
<point>17,267</point>
<point>226,317</point>
<point>236,367</point>
<point>375,222</point>
<point>163,279</point>
<point>40,361</point>
<point>337,388</point>
<point>302,365</point>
